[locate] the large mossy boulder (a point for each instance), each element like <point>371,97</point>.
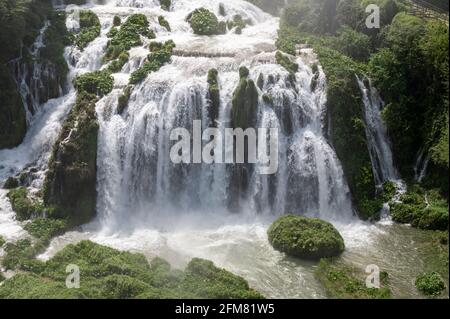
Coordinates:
<point>70,183</point>
<point>306,238</point>
<point>203,22</point>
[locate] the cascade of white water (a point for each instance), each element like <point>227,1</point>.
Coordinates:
<point>377,138</point>
<point>136,178</point>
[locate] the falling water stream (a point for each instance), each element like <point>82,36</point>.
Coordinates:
<point>150,205</point>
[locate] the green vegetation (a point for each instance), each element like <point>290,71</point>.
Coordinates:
<point>164,23</point>
<point>11,183</point>
<point>2,241</point>
<point>117,21</point>
<point>161,53</point>
<point>203,22</point>
<point>70,183</point>
<point>422,209</point>
<point>97,82</point>
<point>128,36</point>
<point>406,60</point>
<point>122,102</point>
<point>430,284</point>
<point>117,65</point>
<point>21,23</point>
<point>24,206</point>
<point>344,282</point>
<point>108,273</point>
<point>213,96</point>
<point>307,238</point>
<point>286,62</point>
<point>45,229</point>
<point>165,4</point>
<point>245,102</point>
<point>89,29</point>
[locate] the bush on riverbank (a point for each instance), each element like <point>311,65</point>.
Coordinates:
<point>109,273</point>
<point>203,22</point>
<point>307,238</point>
<point>343,282</point>
<point>430,284</point>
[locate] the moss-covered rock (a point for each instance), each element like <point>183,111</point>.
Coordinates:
<point>13,125</point>
<point>213,96</point>
<point>286,62</point>
<point>424,210</point>
<point>23,205</point>
<point>97,82</point>
<point>307,238</point>
<point>203,22</point>
<point>117,21</point>
<point>165,4</point>
<point>122,101</point>
<point>89,29</point>
<point>108,273</point>
<point>245,102</point>
<point>128,36</point>
<point>117,65</point>
<point>344,282</point>
<point>161,53</point>
<point>164,23</point>
<point>11,183</point>
<point>430,284</point>
<point>46,228</point>
<point>70,183</point>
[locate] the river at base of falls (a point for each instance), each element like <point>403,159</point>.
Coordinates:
<point>241,246</point>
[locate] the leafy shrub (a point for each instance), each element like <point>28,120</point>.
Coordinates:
<point>203,22</point>
<point>160,54</point>
<point>164,23</point>
<point>46,228</point>
<point>97,82</point>
<point>89,28</point>
<point>430,284</point>
<point>354,44</point>
<point>22,205</point>
<point>308,238</point>
<point>117,21</point>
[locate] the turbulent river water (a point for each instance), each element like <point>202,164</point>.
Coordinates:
<point>149,205</point>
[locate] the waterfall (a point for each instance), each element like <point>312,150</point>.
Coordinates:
<point>377,138</point>
<point>136,179</point>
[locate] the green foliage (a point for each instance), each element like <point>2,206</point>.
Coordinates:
<point>430,284</point>
<point>128,36</point>
<point>108,273</point>
<point>22,205</point>
<point>389,191</point>
<point>89,29</point>
<point>222,11</point>
<point>46,228</point>
<point>11,183</point>
<point>308,238</point>
<point>213,96</point>
<point>203,22</point>
<point>18,254</point>
<point>2,241</point>
<point>70,182</point>
<point>13,125</point>
<point>97,82</point>
<point>164,23</point>
<point>343,282</point>
<point>117,21</point>
<point>122,102</point>
<point>117,65</point>
<point>354,44</point>
<point>424,210</point>
<point>244,102</point>
<point>160,55</point>
<point>165,4</point>
<point>286,62</point>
